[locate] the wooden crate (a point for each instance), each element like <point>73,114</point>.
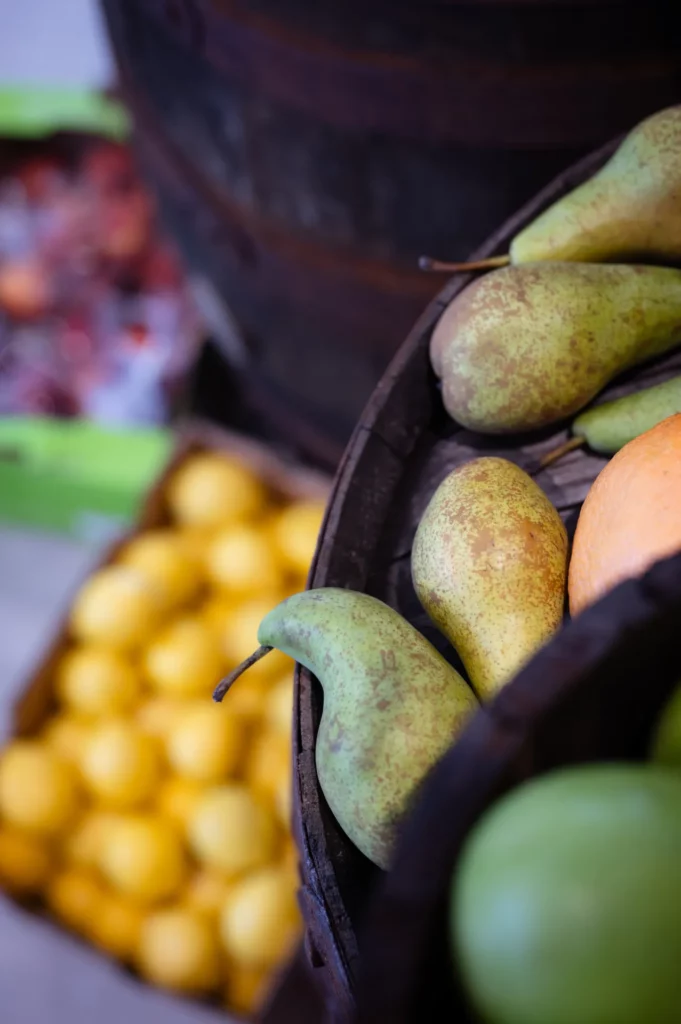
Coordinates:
<point>293,996</point>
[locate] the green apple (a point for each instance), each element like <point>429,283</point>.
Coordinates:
<point>566,906</point>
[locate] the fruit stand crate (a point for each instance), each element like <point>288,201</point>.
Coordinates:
<point>402,448</point>
<point>293,995</point>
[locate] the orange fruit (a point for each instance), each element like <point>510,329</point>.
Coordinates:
<point>630,518</point>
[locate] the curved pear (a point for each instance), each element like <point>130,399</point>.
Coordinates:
<point>526,346</point>
<point>630,209</point>
<point>489,564</point>
<point>392,705</point>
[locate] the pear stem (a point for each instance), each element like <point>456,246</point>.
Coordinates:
<point>225,684</point>
<point>563,449</point>
<point>430,264</point>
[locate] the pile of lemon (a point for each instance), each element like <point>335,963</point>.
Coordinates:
<point>154,822</point>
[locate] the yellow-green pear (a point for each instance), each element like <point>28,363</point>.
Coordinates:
<point>526,346</point>
<point>489,565</point>
<point>630,209</point>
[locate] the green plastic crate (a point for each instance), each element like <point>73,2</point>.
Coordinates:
<point>74,477</point>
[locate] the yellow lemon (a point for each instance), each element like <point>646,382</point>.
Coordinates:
<point>240,561</point>
<point>231,831</point>
<point>117,927</point>
<point>84,843</point>
<point>75,896</point>
<point>178,950</point>
<point>206,892</point>
<point>144,859</point>
<point>121,765</point>
<point>178,799</point>
<point>38,790</point>
<point>66,734</point>
<point>116,608</point>
<point>211,489</point>
<point>279,712</point>
<point>206,744</point>
<point>295,530</point>
<point>260,920</point>
<point>164,559</point>
<point>247,988</point>
<point>268,763</point>
<point>24,862</point>
<point>184,660</point>
<point>94,681</point>
<point>156,716</point>
<point>240,639</point>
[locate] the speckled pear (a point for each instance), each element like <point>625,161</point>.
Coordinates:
<point>392,705</point>
<point>526,346</point>
<point>489,564</point>
<point>631,209</point>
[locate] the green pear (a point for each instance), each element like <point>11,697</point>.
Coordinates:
<point>608,427</point>
<point>392,705</point>
<point>525,346</point>
<point>489,565</point>
<point>631,209</point>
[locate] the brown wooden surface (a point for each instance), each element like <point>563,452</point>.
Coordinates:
<point>307,154</point>
<point>79,976</point>
<point>403,446</point>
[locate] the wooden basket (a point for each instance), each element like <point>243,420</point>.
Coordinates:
<point>403,446</point>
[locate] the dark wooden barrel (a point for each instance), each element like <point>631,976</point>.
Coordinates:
<point>307,153</point>
<point>401,449</point>
<point>594,694</point>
